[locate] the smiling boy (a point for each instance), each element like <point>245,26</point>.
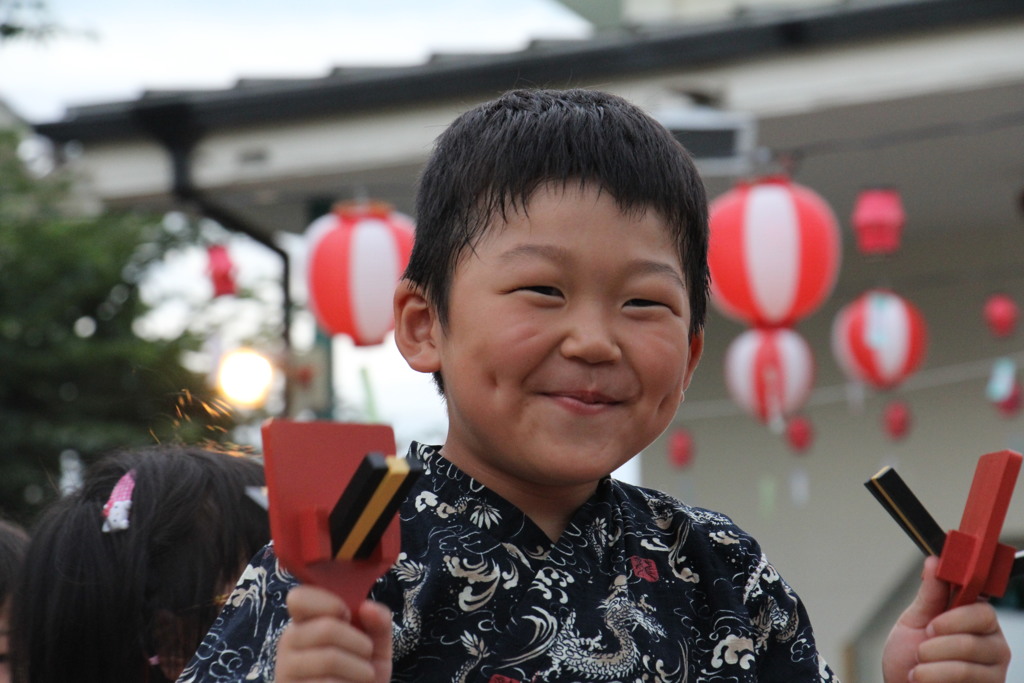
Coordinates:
<point>557,292</point>
<point>561,357</point>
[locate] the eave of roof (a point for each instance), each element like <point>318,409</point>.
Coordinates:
<point>346,91</point>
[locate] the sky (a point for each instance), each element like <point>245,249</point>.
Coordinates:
<point>113,50</point>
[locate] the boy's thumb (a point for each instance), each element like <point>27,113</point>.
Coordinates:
<point>931,600</point>
<point>376,623</point>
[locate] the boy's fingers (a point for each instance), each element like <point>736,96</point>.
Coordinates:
<point>931,599</point>
<point>325,664</point>
<point>963,648</point>
<point>979,618</point>
<point>376,621</point>
<point>330,633</point>
<point>956,672</point>
<point>309,602</point>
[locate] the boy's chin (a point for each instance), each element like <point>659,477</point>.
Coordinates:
<point>578,470</point>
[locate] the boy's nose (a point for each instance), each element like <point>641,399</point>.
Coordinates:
<point>590,338</point>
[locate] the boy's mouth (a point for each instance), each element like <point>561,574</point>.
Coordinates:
<point>588,398</point>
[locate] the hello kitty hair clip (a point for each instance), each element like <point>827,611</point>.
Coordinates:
<point>115,511</point>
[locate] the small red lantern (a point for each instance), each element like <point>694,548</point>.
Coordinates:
<point>896,419</point>
<point>1011,405</point>
<point>774,252</point>
<point>221,270</point>
<point>878,221</point>
<point>880,338</point>
<point>799,433</point>
<point>680,449</point>
<point>357,254</point>
<point>1001,315</point>
<point>769,372</point>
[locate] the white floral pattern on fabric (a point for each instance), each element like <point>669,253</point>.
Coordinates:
<point>639,588</point>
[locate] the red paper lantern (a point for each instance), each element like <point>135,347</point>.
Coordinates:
<point>769,372</point>
<point>680,448</point>
<point>878,221</point>
<point>879,339</point>
<point>774,252</point>
<point>896,419</point>
<point>1011,406</point>
<point>1001,315</point>
<point>356,256</point>
<point>799,433</point>
<point>221,270</point>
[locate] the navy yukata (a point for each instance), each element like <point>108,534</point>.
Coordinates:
<point>640,587</point>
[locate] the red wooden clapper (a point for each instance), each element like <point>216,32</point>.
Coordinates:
<point>971,558</point>
<point>333,490</point>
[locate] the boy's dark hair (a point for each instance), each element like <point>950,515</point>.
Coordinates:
<point>93,606</point>
<point>493,157</point>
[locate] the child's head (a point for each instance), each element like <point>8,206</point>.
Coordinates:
<point>556,291</point>
<point>124,576</point>
<point>495,156</point>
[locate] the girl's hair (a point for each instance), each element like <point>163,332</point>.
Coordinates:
<point>13,542</point>
<point>97,606</point>
<point>492,159</point>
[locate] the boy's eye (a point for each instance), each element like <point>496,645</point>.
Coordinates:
<point>542,289</point>
<point>645,303</point>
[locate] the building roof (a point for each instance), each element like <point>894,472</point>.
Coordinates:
<point>352,90</point>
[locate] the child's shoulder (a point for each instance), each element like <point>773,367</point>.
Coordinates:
<point>658,500</point>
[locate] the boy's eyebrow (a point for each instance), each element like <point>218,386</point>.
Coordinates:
<point>561,256</point>
<point>545,251</point>
<point>645,267</point>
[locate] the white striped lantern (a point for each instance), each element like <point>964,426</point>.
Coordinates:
<point>356,255</point>
<point>769,372</point>
<point>774,252</point>
<point>879,339</point>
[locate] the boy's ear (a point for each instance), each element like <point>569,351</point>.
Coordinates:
<point>416,328</point>
<point>696,349</point>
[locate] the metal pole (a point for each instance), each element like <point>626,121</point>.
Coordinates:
<point>173,125</point>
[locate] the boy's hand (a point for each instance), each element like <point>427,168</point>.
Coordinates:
<point>929,645</point>
<point>322,644</point>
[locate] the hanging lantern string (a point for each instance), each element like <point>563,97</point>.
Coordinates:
<point>839,393</point>
<point>791,157</point>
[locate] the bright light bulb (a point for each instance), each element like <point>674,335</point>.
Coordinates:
<point>245,377</point>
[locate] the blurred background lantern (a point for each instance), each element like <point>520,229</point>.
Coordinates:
<point>896,419</point>
<point>356,256</point>
<point>1001,315</point>
<point>221,270</point>
<point>1010,405</point>
<point>877,220</point>
<point>880,339</point>
<point>1003,387</point>
<point>774,252</point>
<point>680,448</point>
<point>769,373</point>
<point>799,433</point>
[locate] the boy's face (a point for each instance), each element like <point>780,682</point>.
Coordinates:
<point>567,348</point>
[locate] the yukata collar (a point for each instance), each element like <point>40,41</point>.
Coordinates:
<point>456,487</point>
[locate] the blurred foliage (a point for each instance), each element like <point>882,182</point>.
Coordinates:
<point>74,376</point>
<point>25,19</point>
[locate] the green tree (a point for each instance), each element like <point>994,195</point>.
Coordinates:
<point>74,376</point>
<point>25,19</point>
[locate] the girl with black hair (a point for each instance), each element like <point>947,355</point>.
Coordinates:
<point>124,576</point>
